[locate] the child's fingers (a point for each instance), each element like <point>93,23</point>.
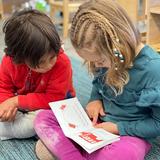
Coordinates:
<point>8,115</point>
<point>102,113</point>
<point>3,118</point>
<point>100,125</point>
<point>89,113</point>
<point>93,115</point>
<point>2,113</point>
<point>95,118</point>
<point>13,115</point>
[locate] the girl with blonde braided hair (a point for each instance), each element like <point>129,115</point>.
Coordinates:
<point>125,98</point>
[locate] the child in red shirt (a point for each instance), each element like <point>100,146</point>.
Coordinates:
<point>33,72</point>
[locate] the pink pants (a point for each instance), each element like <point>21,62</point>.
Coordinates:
<point>49,131</point>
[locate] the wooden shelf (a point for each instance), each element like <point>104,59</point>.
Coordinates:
<point>155,10</point>
<point>67,7</point>
<point>153,24</point>
<point>1,9</point>
<point>156,47</point>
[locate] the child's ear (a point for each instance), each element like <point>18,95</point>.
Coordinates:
<point>62,44</point>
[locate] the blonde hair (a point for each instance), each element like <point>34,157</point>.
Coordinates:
<point>111,29</point>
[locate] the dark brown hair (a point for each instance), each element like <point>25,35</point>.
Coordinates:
<point>29,35</point>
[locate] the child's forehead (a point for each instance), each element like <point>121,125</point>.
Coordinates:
<point>89,54</point>
<point>49,55</point>
<point>93,48</point>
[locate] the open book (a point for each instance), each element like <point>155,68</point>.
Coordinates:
<point>77,126</point>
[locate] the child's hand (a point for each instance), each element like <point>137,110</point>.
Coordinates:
<point>8,109</point>
<point>108,126</point>
<point>94,109</point>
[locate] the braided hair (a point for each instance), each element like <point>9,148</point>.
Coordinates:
<point>105,24</point>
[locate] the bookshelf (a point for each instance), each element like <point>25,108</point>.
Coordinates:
<point>1,9</point>
<point>8,5</point>
<point>66,7</point>
<point>153,21</point>
<point>136,9</point>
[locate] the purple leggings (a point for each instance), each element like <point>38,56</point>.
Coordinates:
<point>49,131</point>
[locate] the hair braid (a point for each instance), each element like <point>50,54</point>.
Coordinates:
<point>106,25</point>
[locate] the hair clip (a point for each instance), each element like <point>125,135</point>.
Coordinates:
<point>117,40</point>
<point>118,54</point>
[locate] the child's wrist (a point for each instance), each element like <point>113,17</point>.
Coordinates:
<point>15,101</point>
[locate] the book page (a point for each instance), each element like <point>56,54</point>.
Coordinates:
<point>94,139</point>
<point>76,125</point>
<point>71,115</point>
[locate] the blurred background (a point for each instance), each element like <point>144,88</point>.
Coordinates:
<point>144,13</point>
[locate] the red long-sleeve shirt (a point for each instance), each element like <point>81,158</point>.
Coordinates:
<point>36,90</point>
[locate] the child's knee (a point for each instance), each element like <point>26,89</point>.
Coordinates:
<point>132,153</point>
<point>43,119</point>
<point>42,116</point>
<point>129,148</point>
